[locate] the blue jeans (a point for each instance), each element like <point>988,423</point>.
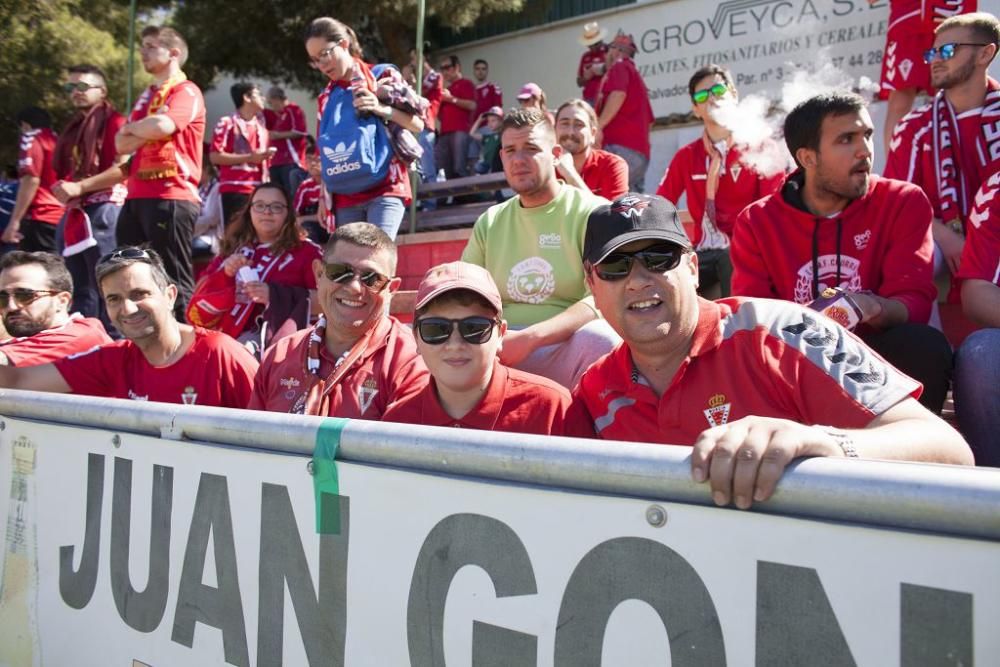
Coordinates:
<point>977,397</point>
<point>637,164</point>
<point>386,213</point>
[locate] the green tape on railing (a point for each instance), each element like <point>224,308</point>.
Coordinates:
<point>325,481</point>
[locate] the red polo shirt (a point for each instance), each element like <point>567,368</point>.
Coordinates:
<point>515,402</point>
<point>35,159</point>
<point>605,174</point>
<point>748,357</point>
<point>76,335</point>
<point>453,117</point>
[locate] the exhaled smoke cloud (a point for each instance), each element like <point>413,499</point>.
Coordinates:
<point>756,120</point>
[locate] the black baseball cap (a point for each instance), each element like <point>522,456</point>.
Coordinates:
<point>631,217</point>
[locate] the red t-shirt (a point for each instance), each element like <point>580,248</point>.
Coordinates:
<point>739,185</point>
<point>76,335</point>
<point>630,126</point>
<point>515,402</point>
<point>237,136</point>
<point>215,371</point>
<point>606,174</point>
<point>186,107</point>
<point>885,246</point>
<point>291,150</point>
<point>595,56</point>
<point>488,95</point>
<point>748,357</point>
<point>387,369</point>
<point>453,117</point>
<point>306,202</point>
<point>981,255</point>
<point>35,159</point>
<point>396,183</point>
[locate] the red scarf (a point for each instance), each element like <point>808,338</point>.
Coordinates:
<point>78,150</point>
<point>158,159</point>
<point>952,182</point>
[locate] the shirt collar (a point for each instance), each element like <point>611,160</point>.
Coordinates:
<point>482,417</point>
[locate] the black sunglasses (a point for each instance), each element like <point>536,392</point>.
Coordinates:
<point>437,330</point>
<point>23,296</point>
<point>81,86</point>
<point>126,253</point>
<point>345,273</point>
<point>657,259</point>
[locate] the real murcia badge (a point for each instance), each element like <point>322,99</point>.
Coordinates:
<point>366,394</point>
<point>735,170</point>
<point>189,396</point>
<point>717,412</point>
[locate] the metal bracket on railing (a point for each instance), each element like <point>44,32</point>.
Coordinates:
<point>172,431</point>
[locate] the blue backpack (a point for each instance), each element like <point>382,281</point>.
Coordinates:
<point>355,152</point>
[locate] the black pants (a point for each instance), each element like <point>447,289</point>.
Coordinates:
<point>714,266</point>
<point>37,235</point>
<point>165,226</point>
<point>232,204</point>
<point>920,351</point>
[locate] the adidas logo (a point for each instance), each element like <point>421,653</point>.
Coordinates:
<point>339,153</point>
<point>343,168</point>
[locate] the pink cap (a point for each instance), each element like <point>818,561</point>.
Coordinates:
<point>529,90</point>
<point>458,275</point>
<point>494,111</point>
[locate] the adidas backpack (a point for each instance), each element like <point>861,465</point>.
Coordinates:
<point>355,152</point>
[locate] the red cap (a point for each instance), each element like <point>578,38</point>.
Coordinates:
<point>458,275</point>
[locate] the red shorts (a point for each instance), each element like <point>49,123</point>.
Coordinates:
<point>903,63</point>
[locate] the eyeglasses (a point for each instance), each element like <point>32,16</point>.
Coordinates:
<point>701,96</point>
<point>345,273</point>
<point>79,86</point>
<point>23,296</point>
<point>945,51</point>
<point>656,259</point>
<point>262,207</point>
<point>323,56</point>
<point>437,330</point>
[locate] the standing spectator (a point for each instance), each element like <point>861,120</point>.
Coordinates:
<point>357,359</point>
<point>240,149</point>
<point>36,211</point>
<point>624,112</point>
<point>910,34</point>
<point>531,96</point>
<point>458,101</point>
<point>711,173</point>
<point>165,133</point>
<point>8,198</point>
<point>977,361</point>
<point>949,147</point>
<point>488,95</point>
<point>92,185</point>
<point>834,224</point>
<point>750,384</point>
<point>288,135</point>
<point>592,62</point>
<point>531,245</point>
<point>486,132</point>
<point>582,164</point>
<point>334,50</point>
<point>431,87</point>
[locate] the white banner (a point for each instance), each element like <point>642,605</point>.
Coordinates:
<point>126,550</point>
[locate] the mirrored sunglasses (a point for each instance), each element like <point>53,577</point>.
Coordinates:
<point>718,90</point>
<point>945,51</point>
<point>345,273</point>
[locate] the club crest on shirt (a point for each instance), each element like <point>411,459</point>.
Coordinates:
<point>366,394</point>
<point>189,396</point>
<point>717,412</point>
<point>735,170</point>
<point>850,276</point>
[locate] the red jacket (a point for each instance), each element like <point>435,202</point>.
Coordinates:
<point>880,241</point>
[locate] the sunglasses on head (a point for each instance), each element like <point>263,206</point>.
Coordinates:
<point>945,51</point>
<point>345,273</point>
<point>437,330</point>
<point>81,86</point>
<point>23,296</point>
<point>656,259</point>
<point>701,96</point>
<point>126,253</point>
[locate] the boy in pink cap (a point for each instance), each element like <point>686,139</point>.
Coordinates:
<point>459,330</point>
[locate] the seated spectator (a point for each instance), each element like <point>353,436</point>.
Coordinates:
<point>263,264</point>
<point>977,362</point>
<point>312,213</point>
<point>160,358</point>
<point>486,131</point>
<point>771,381</point>
<point>531,245</point>
<point>834,224</point>
<point>35,295</point>
<point>711,173</point>
<point>582,164</point>
<point>357,359</point>
<point>457,310</point>
<point>532,96</point>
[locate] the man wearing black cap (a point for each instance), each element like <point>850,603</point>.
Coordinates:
<point>747,382</point>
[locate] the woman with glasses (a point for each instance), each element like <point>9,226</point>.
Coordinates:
<point>334,50</point>
<point>263,271</point>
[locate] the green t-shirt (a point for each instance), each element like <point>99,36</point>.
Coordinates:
<point>535,254</point>
<point>489,147</point>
